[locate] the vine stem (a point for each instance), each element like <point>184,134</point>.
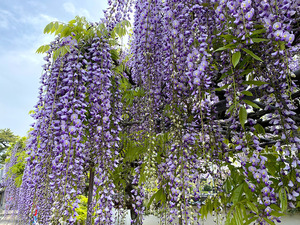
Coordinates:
<point>90,196</point>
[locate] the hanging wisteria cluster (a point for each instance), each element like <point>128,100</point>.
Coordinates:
<point>208,92</point>
<point>219,56</point>
<point>76,130</point>
<point>8,181</point>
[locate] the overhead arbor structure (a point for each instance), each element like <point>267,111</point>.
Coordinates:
<point>206,87</point>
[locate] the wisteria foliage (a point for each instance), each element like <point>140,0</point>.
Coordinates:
<point>208,91</point>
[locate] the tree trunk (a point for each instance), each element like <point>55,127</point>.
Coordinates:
<point>90,197</point>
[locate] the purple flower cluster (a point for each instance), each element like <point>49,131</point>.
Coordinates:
<point>189,67</point>
<point>117,11</point>
<point>182,51</point>
<point>76,128</point>
<point>11,194</point>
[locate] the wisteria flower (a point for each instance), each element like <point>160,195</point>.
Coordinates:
<point>290,39</point>
<point>74,117</point>
<point>268,210</point>
<point>175,23</point>
<point>277,26</point>
<point>266,191</point>
<point>252,187</point>
<point>72,130</point>
<point>249,14</point>
<point>246,4</point>
<point>278,35</point>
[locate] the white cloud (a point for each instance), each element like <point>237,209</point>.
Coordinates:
<point>84,12</point>
<point>40,20</point>
<point>12,19</point>
<point>70,8</point>
<point>6,18</point>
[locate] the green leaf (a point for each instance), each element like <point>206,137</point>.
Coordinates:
<point>237,193</point>
<point>228,186</point>
<point>260,31</point>
<point>18,181</point>
<point>259,128</point>
<point>229,46</point>
<point>56,54</point>
<point>251,103</point>
<point>226,141</point>
<point>54,27</point>
<point>158,196</point>
<point>283,199</point>
<point>225,74</point>
<point>228,220</point>
<point>114,54</point>
<point>275,207</point>
<point>120,28</point>
<point>243,116</point>
<point>252,207</point>
<point>282,45</point>
<point>236,58</point>
<point>60,52</point>
<point>257,40</point>
<point>151,200</point>
<point>248,192</point>
<point>251,219</point>
<point>59,29</point>
<point>248,93</point>
<point>142,178</point>
<point>66,31</point>
<point>254,82</point>
<point>244,63</point>
<point>31,112</point>
<point>252,54</point>
<point>277,214</point>
<point>238,216</point>
<point>243,210</point>
<point>246,72</point>
<point>230,108</point>
<point>228,37</point>
<point>71,22</point>
<point>48,28</point>
<point>222,88</point>
<point>203,211</point>
<point>269,221</point>
<point>43,49</point>
<point>126,23</point>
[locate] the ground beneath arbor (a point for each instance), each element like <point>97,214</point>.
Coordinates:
<point>293,219</point>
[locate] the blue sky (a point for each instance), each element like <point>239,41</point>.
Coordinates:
<point>21,32</point>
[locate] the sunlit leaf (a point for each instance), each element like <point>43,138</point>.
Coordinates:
<point>258,40</point>
<point>260,31</point>
<point>237,193</point>
<point>236,58</point>
<point>252,207</point>
<point>254,82</point>
<point>283,199</point>
<point>252,54</point>
<point>259,128</point>
<point>48,28</point>
<point>243,116</point>
<point>229,46</point>
<point>251,104</point>
<point>247,93</point>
